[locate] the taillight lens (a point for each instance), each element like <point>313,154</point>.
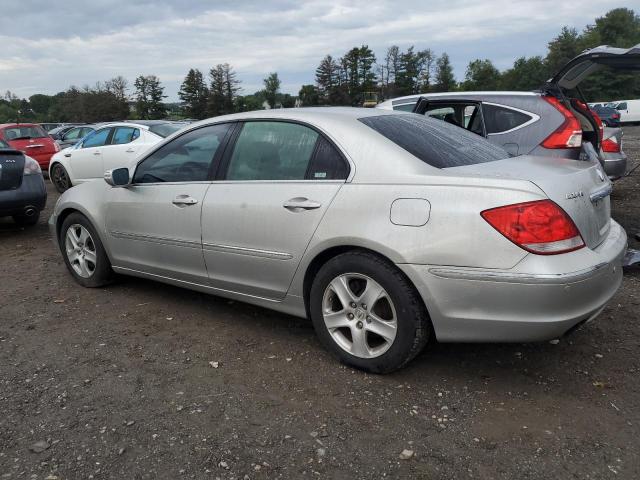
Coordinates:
<point>615,115</point>
<point>611,145</point>
<point>567,135</point>
<point>31,167</point>
<point>540,227</point>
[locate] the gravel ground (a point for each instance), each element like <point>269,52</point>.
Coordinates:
<point>144,380</point>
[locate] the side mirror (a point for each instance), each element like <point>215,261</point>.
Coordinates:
<point>118,177</point>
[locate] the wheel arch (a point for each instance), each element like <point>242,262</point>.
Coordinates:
<point>322,257</point>
<point>62,216</point>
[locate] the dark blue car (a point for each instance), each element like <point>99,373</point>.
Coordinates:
<point>23,194</point>
<point>609,116</point>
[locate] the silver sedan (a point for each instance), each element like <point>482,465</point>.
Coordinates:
<point>385,228</point>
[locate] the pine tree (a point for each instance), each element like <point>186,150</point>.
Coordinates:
<point>271,88</point>
<point>193,93</point>
<point>149,95</point>
<point>223,90</point>
<point>444,78</point>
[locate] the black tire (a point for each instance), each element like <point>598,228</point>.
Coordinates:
<point>60,178</point>
<point>102,273</point>
<point>413,323</point>
<point>27,220</point>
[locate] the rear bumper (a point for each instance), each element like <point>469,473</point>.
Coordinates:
<point>615,164</point>
<point>31,194</point>
<point>539,299</point>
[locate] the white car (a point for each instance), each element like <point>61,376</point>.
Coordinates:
<point>629,110</point>
<point>110,146</point>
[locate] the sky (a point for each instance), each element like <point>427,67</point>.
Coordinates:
<point>48,46</point>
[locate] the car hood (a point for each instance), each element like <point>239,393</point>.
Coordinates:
<point>592,60</point>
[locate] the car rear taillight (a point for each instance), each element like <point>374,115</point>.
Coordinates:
<point>596,117</point>
<point>56,147</point>
<point>615,115</point>
<point>567,135</point>
<point>611,145</point>
<point>539,227</point>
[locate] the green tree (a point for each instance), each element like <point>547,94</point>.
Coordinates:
<point>481,75</point>
<point>193,93</point>
<point>271,88</point>
<point>309,95</point>
<point>526,74</point>
<point>563,48</point>
<point>149,95</point>
<point>223,90</point>
<point>414,71</point>
<point>327,79</point>
<point>445,81</point>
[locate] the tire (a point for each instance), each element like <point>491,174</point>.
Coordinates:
<point>25,220</point>
<point>398,313</point>
<point>60,178</point>
<point>84,254</point>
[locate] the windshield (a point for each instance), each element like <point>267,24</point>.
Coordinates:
<point>20,132</point>
<point>165,129</point>
<point>435,142</point>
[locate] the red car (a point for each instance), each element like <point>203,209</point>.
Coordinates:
<point>31,139</point>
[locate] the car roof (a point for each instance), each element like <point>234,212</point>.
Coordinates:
<point>7,125</point>
<point>415,96</point>
<point>118,124</point>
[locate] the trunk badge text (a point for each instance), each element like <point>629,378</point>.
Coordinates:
<point>571,195</point>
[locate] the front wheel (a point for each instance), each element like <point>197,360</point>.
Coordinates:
<point>367,313</point>
<point>60,178</point>
<point>83,252</point>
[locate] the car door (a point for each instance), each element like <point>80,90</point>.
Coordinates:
<point>123,148</point>
<point>154,223</point>
<point>85,161</point>
<point>276,182</point>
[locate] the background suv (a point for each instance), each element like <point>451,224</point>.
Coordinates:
<point>554,121</point>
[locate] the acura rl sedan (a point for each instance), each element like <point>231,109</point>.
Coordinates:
<point>384,228</point>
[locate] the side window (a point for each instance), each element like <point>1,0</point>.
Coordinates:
<point>499,119</point>
<point>124,135</point>
<point>272,151</point>
<point>621,106</point>
<point>97,138</point>
<point>186,158</point>
<point>327,163</point>
<point>73,134</point>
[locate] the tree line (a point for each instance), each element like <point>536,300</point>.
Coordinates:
<point>346,80</point>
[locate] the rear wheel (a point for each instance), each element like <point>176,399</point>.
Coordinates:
<point>367,313</point>
<point>83,252</point>
<point>60,178</point>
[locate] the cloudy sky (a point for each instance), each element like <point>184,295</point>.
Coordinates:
<point>48,45</point>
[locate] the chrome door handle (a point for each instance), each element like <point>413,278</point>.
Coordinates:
<point>300,203</point>
<point>184,200</point>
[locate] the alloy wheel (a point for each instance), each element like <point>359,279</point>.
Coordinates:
<point>80,250</point>
<point>360,315</point>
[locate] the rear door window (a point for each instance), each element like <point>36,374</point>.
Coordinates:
<point>621,106</point>
<point>499,119</point>
<point>436,143</point>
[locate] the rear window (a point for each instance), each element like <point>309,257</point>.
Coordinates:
<point>165,129</point>
<point>26,132</point>
<point>437,143</point>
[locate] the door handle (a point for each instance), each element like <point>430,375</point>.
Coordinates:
<point>300,203</point>
<point>67,155</point>
<point>184,200</point>
<point>130,150</point>
<point>96,153</point>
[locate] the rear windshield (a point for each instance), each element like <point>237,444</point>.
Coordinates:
<point>18,132</point>
<point>435,142</point>
<point>165,129</point>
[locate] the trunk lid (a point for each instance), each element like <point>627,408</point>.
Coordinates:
<point>11,169</point>
<point>592,60</point>
<point>580,188</point>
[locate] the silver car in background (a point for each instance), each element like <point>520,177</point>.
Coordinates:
<point>385,228</point>
<point>554,121</point>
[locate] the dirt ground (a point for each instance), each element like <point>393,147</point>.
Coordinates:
<point>121,382</point>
